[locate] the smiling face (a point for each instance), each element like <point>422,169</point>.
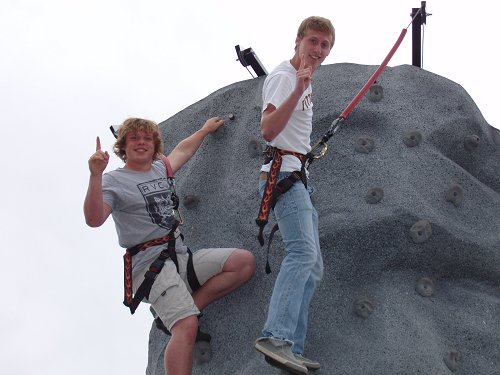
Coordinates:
<point>139,142</point>
<point>314,47</point>
<point>139,149</point>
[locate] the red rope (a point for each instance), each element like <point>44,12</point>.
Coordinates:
<point>372,79</point>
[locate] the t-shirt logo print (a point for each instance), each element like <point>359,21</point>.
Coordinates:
<point>159,205</point>
<point>307,102</point>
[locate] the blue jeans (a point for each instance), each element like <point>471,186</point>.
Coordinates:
<point>301,269</point>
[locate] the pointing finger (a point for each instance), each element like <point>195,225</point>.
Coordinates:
<point>302,62</point>
<point>98,144</point>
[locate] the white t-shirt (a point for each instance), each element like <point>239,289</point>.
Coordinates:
<point>296,136</point>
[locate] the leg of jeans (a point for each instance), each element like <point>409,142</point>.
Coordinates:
<point>315,277</point>
<point>294,213</point>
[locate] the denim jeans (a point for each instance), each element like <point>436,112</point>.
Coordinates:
<point>301,269</point>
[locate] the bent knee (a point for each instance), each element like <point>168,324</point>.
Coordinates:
<point>187,328</point>
<point>241,261</point>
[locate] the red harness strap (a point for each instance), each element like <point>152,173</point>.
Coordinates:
<point>129,298</point>
<point>268,199</point>
<point>170,173</point>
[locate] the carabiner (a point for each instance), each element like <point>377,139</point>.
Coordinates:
<point>322,151</point>
<point>178,216</point>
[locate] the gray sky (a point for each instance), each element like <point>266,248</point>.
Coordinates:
<point>69,69</point>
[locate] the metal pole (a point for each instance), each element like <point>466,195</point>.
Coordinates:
<point>416,37</point>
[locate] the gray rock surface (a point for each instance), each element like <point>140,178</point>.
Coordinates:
<point>410,227</point>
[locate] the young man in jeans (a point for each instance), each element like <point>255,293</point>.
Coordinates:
<point>286,125</point>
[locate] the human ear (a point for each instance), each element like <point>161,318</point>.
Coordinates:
<point>297,42</point>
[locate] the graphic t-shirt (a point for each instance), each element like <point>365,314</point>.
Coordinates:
<point>142,208</point>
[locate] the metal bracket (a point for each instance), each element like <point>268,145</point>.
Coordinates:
<point>248,57</point>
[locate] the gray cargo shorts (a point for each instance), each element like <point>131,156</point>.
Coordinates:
<point>170,295</point>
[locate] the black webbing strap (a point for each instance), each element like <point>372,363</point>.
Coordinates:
<point>149,278</point>
<point>154,270</point>
<point>191,274</point>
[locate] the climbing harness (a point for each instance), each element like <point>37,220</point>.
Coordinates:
<point>272,189</point>
<point>133,301</point>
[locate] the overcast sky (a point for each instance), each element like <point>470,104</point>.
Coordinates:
<point>69,69</point>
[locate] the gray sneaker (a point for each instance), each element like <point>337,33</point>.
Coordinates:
<point>280,351</point>
<point>309,363</point>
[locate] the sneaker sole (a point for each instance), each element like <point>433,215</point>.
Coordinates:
<point>310,366</point>
<point>276,360</point>
<point>283,366</point>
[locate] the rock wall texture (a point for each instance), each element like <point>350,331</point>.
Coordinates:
<point>408,197</point>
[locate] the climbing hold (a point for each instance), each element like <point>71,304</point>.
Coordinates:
<point>374,195</point>
<point>363,307</point>
<point>254,148</point>
<point>191,201</point>
<point>412,138</point>
<point>231,116</point>
<point>455,194</point>
<point>471,142</point>
<point>425,287</point>
<point>452,360</point>
<point>421,231</point>
<point>364,145</point>
<point>376,93</point>
<point>202,352</point>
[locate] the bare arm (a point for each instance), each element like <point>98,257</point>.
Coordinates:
<point>186,148</point>
<point>273,119</point>
<point>95,210</point>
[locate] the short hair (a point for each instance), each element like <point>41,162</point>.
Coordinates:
<point>133,125</point>
<point>317,23</point>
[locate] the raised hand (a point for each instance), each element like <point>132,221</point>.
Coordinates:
<point>99,160</point>
<point>303,75</point>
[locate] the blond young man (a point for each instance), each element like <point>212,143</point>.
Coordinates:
<point>286,124</point>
